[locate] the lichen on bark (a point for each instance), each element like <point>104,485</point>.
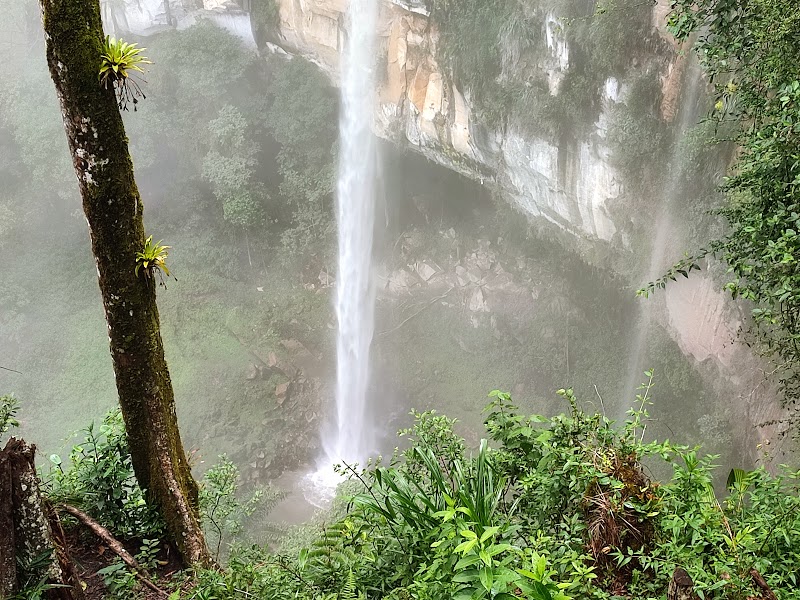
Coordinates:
<point>113,209</point>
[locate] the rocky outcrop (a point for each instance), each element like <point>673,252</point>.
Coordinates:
<point>418,106</point>
<point>571,183</point>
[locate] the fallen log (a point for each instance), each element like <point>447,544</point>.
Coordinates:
<point>761,583</point>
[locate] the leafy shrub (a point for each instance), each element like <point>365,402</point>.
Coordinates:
<point>224,513</point>
<point>9,406</point>
<point>301,116</point>
<point>122,583</point>
<point>562,506</point>
<point>100,481</point>
<point>265,16</point>
<point>636,134</point>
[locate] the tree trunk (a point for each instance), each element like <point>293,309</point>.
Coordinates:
<point>32,546</point>
<point>113,209</point>
<point>8,562</point>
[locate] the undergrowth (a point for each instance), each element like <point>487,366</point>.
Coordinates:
<point>544,509</point>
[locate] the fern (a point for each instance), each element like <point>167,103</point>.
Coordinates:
<point>349,591</point>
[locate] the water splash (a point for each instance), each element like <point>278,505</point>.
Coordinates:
<point>351,439</point>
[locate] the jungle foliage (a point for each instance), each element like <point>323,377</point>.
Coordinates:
<point>98,478</point>
<point>545,509</point>
<point>749,51</point>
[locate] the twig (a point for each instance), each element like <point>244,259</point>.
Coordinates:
<point>12,370</point>
<point>596,391</point>
<point>420,311</point>
<point>113,543</point>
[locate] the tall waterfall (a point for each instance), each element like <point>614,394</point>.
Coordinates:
<point>351,438</point>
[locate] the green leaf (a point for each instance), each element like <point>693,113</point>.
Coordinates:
<point>489,532</point>
<point>487,578</point>
<point>465,547</point>
<point>468,576</point>
<point>467,561</point>
<point>487,560</point>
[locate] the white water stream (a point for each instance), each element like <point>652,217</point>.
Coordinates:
<point>351,437</point>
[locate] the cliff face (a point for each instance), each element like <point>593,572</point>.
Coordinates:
<point>570,180</point>
<point>570,184</point>
<point>146,17</point>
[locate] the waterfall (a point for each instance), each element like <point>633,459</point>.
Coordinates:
<point>664,239</point>
<point>351,437</point>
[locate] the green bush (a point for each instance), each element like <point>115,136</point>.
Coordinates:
<point>265,16</point>
<point>224,512</point>
<point>560,508</point>
<point>9,406</point>
<point>99,479</point>
<point>636,134</point>
<point>301,116</point>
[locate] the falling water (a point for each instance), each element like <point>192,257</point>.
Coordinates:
<point>664,230</point>
<point>351,437</point>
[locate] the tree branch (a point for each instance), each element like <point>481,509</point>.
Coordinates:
<point>113,543</point>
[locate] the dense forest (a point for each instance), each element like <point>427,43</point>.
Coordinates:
<point>639,442</point>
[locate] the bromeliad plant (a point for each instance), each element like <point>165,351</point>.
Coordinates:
<point>119,61</point>
<point>153,259</point>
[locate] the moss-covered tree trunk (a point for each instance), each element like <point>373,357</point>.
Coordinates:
<point>113,208</point>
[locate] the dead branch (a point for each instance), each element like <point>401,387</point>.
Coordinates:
<point>113,543</point>
<point>416,314</point>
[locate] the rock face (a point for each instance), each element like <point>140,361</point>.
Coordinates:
<point>419,107</point>
<point>570,183</point>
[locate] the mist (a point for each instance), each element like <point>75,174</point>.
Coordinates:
<point>505,256</point>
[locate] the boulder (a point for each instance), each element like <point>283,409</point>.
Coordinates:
<point>474,273</point>
<point>326,279</point>
<point>296,348</point>
<point>477,301</point>
<point>282,392</point>
<point>253,372</point>
<point>400,282</point>
<point>501,282</point>
<point>425,270</point>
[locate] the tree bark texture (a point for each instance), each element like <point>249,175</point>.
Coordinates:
<point>113,209</point>
<point>30,533</point>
